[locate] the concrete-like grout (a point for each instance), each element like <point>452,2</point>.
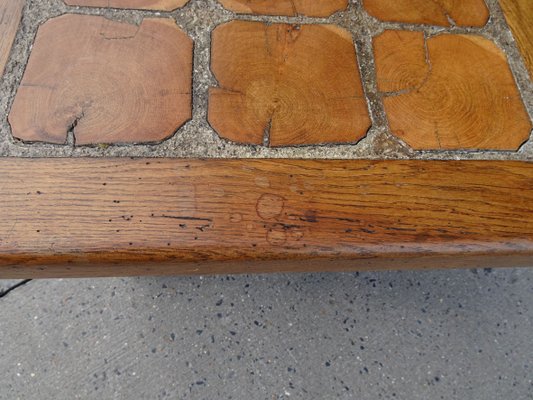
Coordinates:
<point>197,139</point>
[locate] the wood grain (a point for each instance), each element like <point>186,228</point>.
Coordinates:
<point>310,8</point>
<point>519,14</point>
<point>106,81</point>
<point>430,12</point>
<point>10,16</point>
<point>284,85</point>
<point>89,217</point>
<point>460,95</point>
<point>163,5</point>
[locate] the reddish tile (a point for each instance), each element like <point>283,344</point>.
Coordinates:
<point>163,5</point>
<point>109,82</point>
<point>10,15</point>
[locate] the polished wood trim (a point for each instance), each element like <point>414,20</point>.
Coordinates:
<point>519,16</point>
<point>108,217</point>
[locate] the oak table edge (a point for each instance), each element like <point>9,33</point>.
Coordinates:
<point>108,217</point>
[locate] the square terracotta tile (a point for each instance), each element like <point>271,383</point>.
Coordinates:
<point>162,5</point>
<point>449,92</point>
<point>430,12</point>
<point>310,8</point>
<point>284,85</point>
<point>106,81</point>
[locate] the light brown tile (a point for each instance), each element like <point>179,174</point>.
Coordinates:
<point>430,12</point>
<point>286,85</point>
<point>108,82</point>
<point>310,8</point>
<point>519,15</point>
<point>10,16</point>
<point>163,5</point>
<point>460,95</point>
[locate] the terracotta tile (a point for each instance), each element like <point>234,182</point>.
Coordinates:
<point>163,5</point>
<point>461,95</point>
<point>10,15</point>
<point>286,85</point>
<point>430,12</point>
<point>109,82</point>
<point>310,8</point>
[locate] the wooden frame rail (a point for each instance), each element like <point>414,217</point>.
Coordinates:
<point>108,217</point>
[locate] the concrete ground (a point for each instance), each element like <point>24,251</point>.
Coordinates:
<point>461,334</point>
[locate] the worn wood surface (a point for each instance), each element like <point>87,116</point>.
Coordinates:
<point>432,12</point>
<point>519,16</point>
<point>82,217</point>
<point>163,5</point>
<point>310,8</point>
<point>460,95</point>
<point>106,81</point>
<point>283,85</point>
<point>10,16</point>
